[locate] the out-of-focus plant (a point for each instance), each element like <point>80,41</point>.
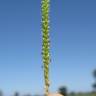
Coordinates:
<point>1,93</point>
<point>94,74</point>
<point>45,42</point>
<point>16,94</point>
<point>63,90</point>
<point>94,85</point>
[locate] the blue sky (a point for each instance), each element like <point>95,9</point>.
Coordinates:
<point>73,45</point>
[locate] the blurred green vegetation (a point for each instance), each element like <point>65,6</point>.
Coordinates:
<point>83,94</point>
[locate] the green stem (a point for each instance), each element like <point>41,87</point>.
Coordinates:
<point>45,43</point>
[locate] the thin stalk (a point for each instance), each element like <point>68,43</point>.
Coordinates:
<point>45,42</point>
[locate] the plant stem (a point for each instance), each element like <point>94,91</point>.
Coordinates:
<point>45,42</point>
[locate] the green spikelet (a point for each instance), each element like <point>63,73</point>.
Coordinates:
<point>45,42</point>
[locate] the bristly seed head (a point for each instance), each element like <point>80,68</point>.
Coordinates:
<point>45,42</point>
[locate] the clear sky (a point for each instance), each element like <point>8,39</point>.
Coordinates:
<point>73,45</point>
